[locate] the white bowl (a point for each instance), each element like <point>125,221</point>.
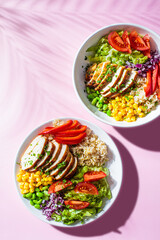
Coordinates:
<point>114,165</point>
<point>78,72</point>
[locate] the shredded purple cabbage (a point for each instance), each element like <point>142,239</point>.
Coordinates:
<point>53,205</point>
<point>143,68</point>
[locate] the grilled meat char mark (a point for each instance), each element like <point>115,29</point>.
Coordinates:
<point>62,155</point>
<point>61,166</point>
<point>33,152</point>
<point>124,77</point>
<point>49,148</point>
<point>128,84</point>
<point>66,170</point>
<point>114,80</point>
<point>55,154</point>
<point>90,71</point>
<point>97,73</point>
<point>106,78</point>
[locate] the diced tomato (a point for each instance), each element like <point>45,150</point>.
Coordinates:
<point>71,140</point>
<point>148,87</point>
<point>86,187</point>
<point>137,42</point>
<point>126,40</point>
<point>58,128</point>
<point>58,186</point>
<point>146,40</point>
<point>71,132</point>
<point>93,176</point>
<point>154,78</point>
<point>116,42</point>
<point>76,204</point>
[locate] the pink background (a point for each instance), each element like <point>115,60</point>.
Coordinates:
<point>38,43</point>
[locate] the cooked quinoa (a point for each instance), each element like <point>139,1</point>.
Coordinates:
<point>92,151</point>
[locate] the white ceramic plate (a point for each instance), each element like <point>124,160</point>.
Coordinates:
<point>114,164</point>
<point>78,72</point>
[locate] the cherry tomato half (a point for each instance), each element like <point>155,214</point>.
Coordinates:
<point>126,40</point>
<point>93,176</point>
<point>86,187</point>
<point>76,204</point>
<point>58,186</point>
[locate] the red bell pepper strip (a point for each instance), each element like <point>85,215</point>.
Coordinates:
<point>58,128</point>
<point>75,124</point>
<point>146,40</point>
<point>154,78</point>
<point>71,140</point>
<point>71,132</point>
<point>148,87</point>
<point>45,130</point>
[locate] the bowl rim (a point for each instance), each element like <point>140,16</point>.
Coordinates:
<point>116,124</point>
<point>118,155</point>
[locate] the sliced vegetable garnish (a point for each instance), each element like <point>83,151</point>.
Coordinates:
<point>146,40</point>
<point>116,42</point>
<point>126,40</point>
<point>71,132</point>
<point>45,130</point>
<point>76,204</point>
<point>87,188</point>
<point>58,186</point>
<point>93,176</point>
<point>74,125</point>
<point>71,140</point>
<point>154,78</point>
<point>148,87</point>
<point>58,128</point>
<point>137,42</point>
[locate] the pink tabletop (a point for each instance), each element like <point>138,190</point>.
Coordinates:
<point>38,43</point>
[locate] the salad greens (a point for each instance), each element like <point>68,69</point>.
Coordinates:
<point>103,51</point>
<point>69,216</point>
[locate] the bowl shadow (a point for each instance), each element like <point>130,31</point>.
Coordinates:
<point>121,209</point>
<point>146,136</point>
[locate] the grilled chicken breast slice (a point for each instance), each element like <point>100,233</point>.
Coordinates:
<point>62,155</point>
<point>114,81</point>
<point>128,84</point>
<point>66,170</point>
<point>55,154</point>
<point>90,72</point>
<point>33,152</point>
<point>73,169</point>
<point>47,154</point>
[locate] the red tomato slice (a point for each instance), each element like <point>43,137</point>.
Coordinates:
<point>148,87</point>
<point>86,187</point>
<point>93,175</point>
<point>71,132</point>
<point>71,140</point>
<point>116,42</point>
<point>126,40</point>
<point>146,40</point>
<point>137,42</point>
<point>58,186</point>
<point>76,204</point>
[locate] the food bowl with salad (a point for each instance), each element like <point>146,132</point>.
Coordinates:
<point>68,172</point>
<point>116,75</point>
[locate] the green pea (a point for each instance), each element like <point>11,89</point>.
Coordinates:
<point>90,97</point>
<point>33,196</point>
<point>98,92</point>
<point>101,100</point>
<point>31,202</point>
<point>37,206</point>
<point>88,90</point>
<point>94,101</point>
<point>109,113</point>
<point>35,201</point>
<point>39,194</point>
<point>92,90</point>
<point>28,195</point>
<point>46,193</point>
<point>45,188</point>
<point>37,189</point>
<point>39,201</point>
<point>105,106</point>
<point>24,195</point>
<point>99,105</point>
